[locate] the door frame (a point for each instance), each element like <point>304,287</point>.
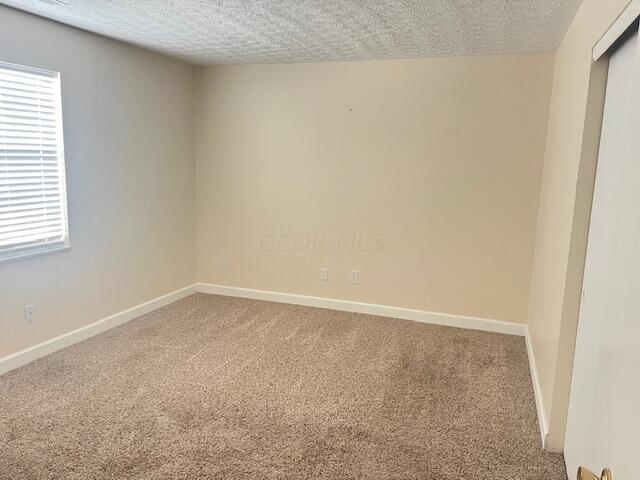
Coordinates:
<point>616,30</point>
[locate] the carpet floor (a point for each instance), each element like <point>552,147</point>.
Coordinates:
<point>219,387</point>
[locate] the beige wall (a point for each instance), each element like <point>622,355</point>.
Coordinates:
<point>434,163</point>
<point>563,216</point>
<point>129,161</point>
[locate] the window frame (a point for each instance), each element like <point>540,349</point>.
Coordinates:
<point>26,251</point>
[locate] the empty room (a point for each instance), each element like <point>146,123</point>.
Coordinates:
<point>319,239</point>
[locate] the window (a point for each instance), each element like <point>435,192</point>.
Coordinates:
<point>33,199</point>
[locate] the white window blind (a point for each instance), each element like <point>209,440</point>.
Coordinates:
<point>33,204</point>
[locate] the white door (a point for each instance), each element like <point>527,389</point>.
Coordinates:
<point>603,428</point>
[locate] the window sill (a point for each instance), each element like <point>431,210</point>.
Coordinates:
<point>34,252</point>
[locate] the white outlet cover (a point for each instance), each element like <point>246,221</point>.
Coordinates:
<point>355,277</point>
<point>324,274</point>
<point>224,264</point>
<point>29,313</point>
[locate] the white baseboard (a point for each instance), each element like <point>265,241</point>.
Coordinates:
<point>537,391</point>
<point>445,319</point>
<point>30,354</point>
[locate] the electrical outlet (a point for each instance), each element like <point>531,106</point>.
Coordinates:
<point>324,274</point>
<point>355,277</point>
<point>29,313</point>
<point>224,264</point>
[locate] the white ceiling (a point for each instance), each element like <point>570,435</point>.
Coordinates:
<point>273,31</point>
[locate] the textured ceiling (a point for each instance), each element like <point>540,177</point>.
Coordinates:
<point>271,31</point>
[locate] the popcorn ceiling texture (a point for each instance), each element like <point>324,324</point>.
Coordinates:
<point>282,31</point>
<point>227,388</point>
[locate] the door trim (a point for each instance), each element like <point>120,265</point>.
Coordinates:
<point>620,25</point>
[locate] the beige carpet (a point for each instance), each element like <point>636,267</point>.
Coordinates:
<point>216,387</point>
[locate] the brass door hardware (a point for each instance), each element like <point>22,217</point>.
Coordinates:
<point>586,474</point>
